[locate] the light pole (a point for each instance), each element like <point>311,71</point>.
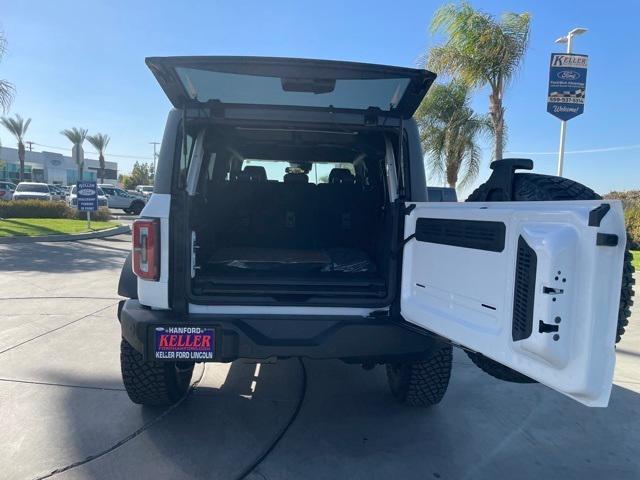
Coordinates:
<point>154,156</point>
<point>568,39</point>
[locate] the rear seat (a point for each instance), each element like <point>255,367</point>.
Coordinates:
<point>292,212</point>
<point>252,211</point>
<point>340,207</point>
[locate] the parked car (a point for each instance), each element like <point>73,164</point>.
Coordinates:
<point>237,257</point>
<point>32,191</point>
<point>118,198</point>
<point>6,190</point>
<point>145,190</point>
<point>72,199</point>
<point>57,192</point>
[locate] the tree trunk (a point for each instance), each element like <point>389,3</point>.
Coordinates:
<point>101,160</point>
<point>21,158</point>
<point>496,113</point>
<point>452,175</point>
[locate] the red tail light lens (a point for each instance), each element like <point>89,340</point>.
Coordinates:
<point>146,248</point>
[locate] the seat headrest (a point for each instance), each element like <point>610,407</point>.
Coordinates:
<point>296,178</point>
<point>341,175</point>
<point>254,173</point>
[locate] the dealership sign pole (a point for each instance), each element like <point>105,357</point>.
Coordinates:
<point>567,84</point>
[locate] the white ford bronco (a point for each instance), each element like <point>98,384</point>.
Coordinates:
<point>290,218</point>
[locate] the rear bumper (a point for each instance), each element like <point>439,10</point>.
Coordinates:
<point>353,339</point>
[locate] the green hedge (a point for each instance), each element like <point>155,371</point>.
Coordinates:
<point>632,217</point>
<point>631,203</point>
<point>44,209</point>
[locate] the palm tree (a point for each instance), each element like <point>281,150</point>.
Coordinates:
<point>18,128</point>
<point>449,131</point>
<point>100,142</point>
<point>480,50</point>
<point>77,137</point>
<point>6,89</point>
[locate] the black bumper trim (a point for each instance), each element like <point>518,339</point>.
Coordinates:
<point>350,338</point>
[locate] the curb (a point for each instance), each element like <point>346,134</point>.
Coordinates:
<point>109,232</point>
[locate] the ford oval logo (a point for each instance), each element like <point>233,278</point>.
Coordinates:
<point>568,75</point>
<point>85,192</point>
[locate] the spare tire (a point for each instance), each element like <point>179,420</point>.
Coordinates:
<point>531,187</point>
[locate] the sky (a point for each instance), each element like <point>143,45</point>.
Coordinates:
<point>82,64</point>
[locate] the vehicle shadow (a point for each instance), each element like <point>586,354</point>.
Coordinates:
<point>18,228</point>
<point>215,433</point>
<point>483,429</point>
<point>351,427</point>
<point>61,257</point>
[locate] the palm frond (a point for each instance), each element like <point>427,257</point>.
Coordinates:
<point>7,90</point>
<point>16,125</point>
<point>449,133</point>
<point>75,135</point>
<point>99,141</point>
<point>478,48</point>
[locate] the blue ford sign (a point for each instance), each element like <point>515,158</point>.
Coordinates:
<point>87,196</point>
<point>567,84</point>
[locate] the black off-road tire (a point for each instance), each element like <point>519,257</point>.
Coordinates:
<point>529,187</point>
<point>153,383</point>
<point>136,207</point>
<point>421,383</point>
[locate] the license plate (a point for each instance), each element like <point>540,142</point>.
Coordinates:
<point>184,343</point>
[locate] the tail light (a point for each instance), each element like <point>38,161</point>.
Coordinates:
<point>2,192</point>
<point>146,248</point>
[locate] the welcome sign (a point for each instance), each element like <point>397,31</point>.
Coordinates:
<point>567,85</point>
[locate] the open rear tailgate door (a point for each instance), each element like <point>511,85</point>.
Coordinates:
<point>291,82</point>
<point>534,286</point>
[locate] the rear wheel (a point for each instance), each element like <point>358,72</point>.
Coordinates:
<point>153,383</point>
<point>529,187</point>
<point>421,383</point>
<point>136,208</point>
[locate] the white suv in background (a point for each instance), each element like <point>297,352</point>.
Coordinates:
<point>118,198</point>
<point>32,191</point>
<point>145,190</point>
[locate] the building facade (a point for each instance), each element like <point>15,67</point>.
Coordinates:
<point>52,168</point>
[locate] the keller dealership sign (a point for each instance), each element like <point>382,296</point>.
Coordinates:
<point>567,85</point>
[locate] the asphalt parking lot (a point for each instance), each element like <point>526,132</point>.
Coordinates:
<point>65,414</point>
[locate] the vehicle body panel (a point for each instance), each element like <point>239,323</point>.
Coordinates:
<point>155,294</point>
